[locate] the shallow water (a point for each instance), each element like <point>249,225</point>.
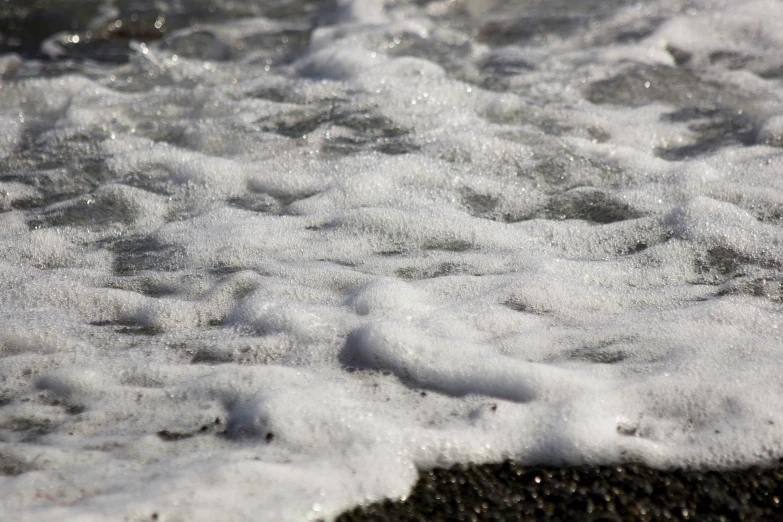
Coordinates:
<point>263,261</point>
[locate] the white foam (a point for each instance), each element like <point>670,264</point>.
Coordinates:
<point>270,283</point>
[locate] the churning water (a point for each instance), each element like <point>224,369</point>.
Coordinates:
<point>263,260</point>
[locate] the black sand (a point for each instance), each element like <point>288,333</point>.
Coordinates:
<point>631,492</point>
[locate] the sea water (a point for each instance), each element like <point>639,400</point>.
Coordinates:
<point>265,260</point>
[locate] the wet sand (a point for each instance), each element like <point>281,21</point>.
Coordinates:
<point>507,491</point>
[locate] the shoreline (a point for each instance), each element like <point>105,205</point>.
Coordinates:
<point>507,491</point>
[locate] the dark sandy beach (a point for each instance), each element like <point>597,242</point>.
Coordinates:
<point>630,492</point>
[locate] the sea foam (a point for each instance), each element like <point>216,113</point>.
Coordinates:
<point>270,265</point>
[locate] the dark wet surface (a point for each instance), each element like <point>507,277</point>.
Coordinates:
<point>103,33</point>
<point>506,491</point>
